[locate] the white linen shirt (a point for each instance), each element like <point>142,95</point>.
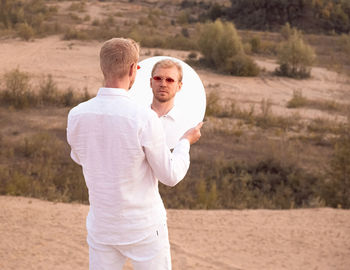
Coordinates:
<point>172,129</point>
<point>175,125</point>
<point>122,150</point>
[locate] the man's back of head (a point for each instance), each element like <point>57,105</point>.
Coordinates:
<point>116,56</point>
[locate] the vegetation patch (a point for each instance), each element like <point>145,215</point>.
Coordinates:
<point>19,93</point>
<point>294,56</point>
<point>299,101</point>
<point>222,49</point>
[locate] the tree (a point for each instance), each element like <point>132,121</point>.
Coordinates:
<point>295,57</point>
<point>222,49</point>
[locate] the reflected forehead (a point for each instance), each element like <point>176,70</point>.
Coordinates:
<point>171,71</point>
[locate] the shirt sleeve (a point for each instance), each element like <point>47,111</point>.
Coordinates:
<point>168,167</point>
<point>73,154</point>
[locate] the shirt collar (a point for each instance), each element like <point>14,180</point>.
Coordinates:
<point>105,91</point>
<point>174,113</point>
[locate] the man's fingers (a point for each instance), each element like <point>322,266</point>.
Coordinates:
<point>199,126</point>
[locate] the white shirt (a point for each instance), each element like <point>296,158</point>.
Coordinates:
<point>175,126</point>
<point>122,150</point>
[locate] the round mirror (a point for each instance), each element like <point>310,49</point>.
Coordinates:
<point>190,101</point>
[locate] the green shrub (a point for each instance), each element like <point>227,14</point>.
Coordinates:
<point>219,41</point>
<point>72,33</point>
<point>48,91</point>
<point>217,107</point>
<point>17,92</point>
<point>183,17</point>
<point>287,31</point>
<point>344,43</point>
<point>229,184</point>
<point>192,56</point>
<point>336,192</point>
<point>295,57</point>
<point>25,31</point>
<point>297,100</point>
<point>241,65</point>
<point>45,170</point>
<point>95,22</point>
<point>180,42</point>
<point>255,43</point>
<point>26,17</point>
<point>75,17</point>
<point>213,104</point>
<point>222,49</point>
<point>80,7</point>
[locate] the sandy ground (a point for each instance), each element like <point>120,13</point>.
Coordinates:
<point>38,234</point>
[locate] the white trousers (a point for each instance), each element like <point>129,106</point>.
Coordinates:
<point>152,253</point>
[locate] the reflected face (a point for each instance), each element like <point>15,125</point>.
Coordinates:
<point>165,84</point>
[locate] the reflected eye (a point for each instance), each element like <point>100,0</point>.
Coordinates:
<point>157,78</point>
<point>168,79</point>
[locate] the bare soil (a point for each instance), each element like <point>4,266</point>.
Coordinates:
<point>38,234</point>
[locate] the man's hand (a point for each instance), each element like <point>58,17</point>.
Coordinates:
<point>193,134</point>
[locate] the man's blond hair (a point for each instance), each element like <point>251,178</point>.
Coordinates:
<point>116,56</point>
<point>168,63</point>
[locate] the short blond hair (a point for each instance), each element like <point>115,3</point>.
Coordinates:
<point>168,63</point>
<point>116,56</point>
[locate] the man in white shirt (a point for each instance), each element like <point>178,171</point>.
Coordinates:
<point>122,150</point>
<point>165,82</point>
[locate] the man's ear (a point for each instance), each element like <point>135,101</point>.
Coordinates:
<point>132,69</point>
<point>180,86</point>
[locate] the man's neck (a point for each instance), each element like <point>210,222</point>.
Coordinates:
<point>162,108</point>
<point>123,83</point>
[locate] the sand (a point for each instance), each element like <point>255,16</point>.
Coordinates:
<point>38,234</point>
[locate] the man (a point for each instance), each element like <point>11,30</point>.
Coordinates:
<point>122,150</point>
<point>165,82</point>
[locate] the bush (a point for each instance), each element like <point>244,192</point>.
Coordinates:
<point>229,184</point>
<point>192,56</point>
<point>337,189</point>
<point>241,65</point>
<point>48,91</point>
<point>72,33</point>
<point>219,41</point>
<point>80,7</point>
<point>255,43</point>
<point>27,17</point>
<point>17,92</point>
<point>25,31</point>
<point>45,170</point>
<point>344,43</point>
<point>295,57</point>
<point>180,42</point>
<point>297,100</point>
<point>222,49</point>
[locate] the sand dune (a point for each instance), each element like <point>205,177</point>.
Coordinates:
<point>38,234</point>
